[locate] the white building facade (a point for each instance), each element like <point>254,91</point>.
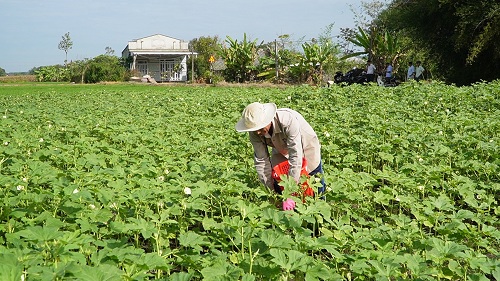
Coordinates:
<point>163,58</point>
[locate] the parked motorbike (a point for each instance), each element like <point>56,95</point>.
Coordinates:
<point>353,76</point>
<point>388,82</point>
<point>358,76</point>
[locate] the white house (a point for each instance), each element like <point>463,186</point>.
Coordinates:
<point>163,58</point>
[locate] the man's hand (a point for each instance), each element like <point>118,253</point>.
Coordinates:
<point>288,204</point>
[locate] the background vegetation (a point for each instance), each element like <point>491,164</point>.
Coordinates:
<point>456,42</point>
<point>458,37</point>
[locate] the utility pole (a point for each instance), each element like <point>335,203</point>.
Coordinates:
<point>192,67</point>
<point>276,57</point>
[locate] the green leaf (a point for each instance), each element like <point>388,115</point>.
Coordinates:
<point>248,277</point>
<point>417,265</point>
<point>321,272</point>
<point>360,267</point>
<point>180,276</point>
<point>352,55</point>
<point>445,249</point>
<point>496,272</point>
<point>210,224</point>
<point>39,233</point>
<point>280,259</point>
<point>11,272</point>
<point>10,267</point>
<point>221,271</point>
<point>276,239</point>
<point>146,228</point>
<point>291,260</point>
<point>192,239</point>
<point>154,261</point>
<point>386,156</point>
<point>97,273</point>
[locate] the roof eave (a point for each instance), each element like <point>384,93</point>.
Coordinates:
<point>143,52</point>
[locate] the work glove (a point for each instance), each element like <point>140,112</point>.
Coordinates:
<point>288,204</point>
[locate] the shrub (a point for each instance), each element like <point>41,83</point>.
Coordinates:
<point>104,68</point>
<point>52,73</point>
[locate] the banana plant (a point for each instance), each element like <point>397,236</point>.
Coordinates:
<point>363,40</point>
<point>239,58</point>
<point>310,66</point>
<point>379,46</point>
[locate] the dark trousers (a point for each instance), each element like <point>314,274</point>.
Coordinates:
<point>370,77</point>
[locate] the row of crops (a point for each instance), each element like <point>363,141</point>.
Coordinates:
<point>136,182</point>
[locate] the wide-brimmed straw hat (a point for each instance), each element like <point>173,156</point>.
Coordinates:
<point>256,116</point>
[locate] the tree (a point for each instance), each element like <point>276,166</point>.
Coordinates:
<point>310,67</point>
<point>460,36</point>
<point>205,47</point>
<point>317,58</point>
<point>2,72</point>
<point>371,38</point>
<point>276,57</point>
<point>331,63</point>
<point>380,46</point>
<point>78,69</point>
<point>65,45</point>
<point>103,68</point>
<point>52,73</point>
<point>366,17</point>
<point>109,51</point>
<point>240,58</point>
<point>478,27</point>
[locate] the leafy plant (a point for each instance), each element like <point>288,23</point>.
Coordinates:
<point>380,46</point>
<point>239,58</point>
<point>127,181</point>
<point>54,73</point>
<point>310,66</point>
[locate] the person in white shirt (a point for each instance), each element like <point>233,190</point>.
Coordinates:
<point>370,71</point>
<point>419,71</point>
<point>289,135</point>
<point>411,71</point>
<point>388,72</point>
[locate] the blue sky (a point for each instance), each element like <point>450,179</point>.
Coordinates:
<point>32,29</point>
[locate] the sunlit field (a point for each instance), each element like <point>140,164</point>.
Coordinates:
<point>144,182</point>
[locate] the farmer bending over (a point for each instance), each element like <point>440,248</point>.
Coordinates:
<point>290,137</point>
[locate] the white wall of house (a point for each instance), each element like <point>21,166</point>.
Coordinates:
<point>164,69</point>
<point>163,58</point>
<point>158,42</point>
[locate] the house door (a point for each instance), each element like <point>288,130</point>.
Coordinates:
<point>142,67</point>
<point>167,71</point>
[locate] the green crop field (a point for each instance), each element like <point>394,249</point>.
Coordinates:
<point>142,182</point>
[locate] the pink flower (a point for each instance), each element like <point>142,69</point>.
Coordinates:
<point>288,204</point>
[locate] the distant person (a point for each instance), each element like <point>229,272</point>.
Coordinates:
<point>419,71</point>
<point>411,72</point>
<point>388,72</point>
<point>370,71</point>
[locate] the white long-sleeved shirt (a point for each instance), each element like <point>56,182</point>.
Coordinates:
<point>292,139</point>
